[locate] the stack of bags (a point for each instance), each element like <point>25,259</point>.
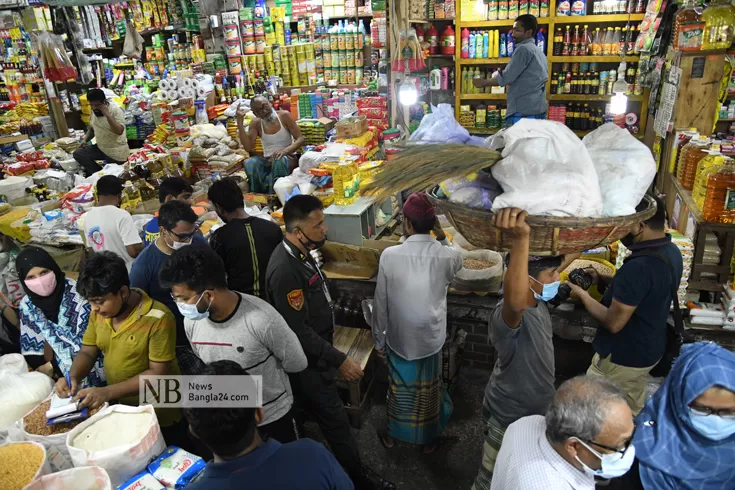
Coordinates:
<point>68,144</point>
<point>706,314</point>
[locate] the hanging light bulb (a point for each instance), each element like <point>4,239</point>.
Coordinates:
<point>619,101</point>
<point>407,94</point>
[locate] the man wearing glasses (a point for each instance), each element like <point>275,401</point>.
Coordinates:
<point>586,433</point>
<point>178,228</point>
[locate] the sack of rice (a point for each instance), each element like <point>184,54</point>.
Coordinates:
<point>21,463</point>
<point>20,391</point>
<point>119,438</point>
<point>87,478</point>
<point>482,271</point>
<point>34,427</point>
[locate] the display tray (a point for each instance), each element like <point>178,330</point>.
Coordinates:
<point>550,235</point>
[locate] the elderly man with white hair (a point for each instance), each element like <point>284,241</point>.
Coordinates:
<point>587,432</point>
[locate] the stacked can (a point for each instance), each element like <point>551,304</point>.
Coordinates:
<point>342,56</point>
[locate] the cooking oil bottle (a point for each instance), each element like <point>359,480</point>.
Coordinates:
<point>343,179</point>
<point>130,196</point>
<point>695,150</point>
<point>719,203</point>
<point>706,167</point>
<point>719,19</point>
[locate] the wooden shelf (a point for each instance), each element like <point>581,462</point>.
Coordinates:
<point>592,98</point>
<point>482,96</point>
<point>593,19</point>
<point>725,120</point>
<point>591,59</point>
<point>484,61</point>
<point>497,23</point>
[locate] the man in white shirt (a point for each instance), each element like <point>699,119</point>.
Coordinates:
<point>587,432</point>
<point>106,227</point>
<point>410,317</point>
<point>107,126</point>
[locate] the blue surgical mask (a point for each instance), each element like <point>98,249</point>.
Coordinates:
<point>713,427</point>
<point>612,465</point>
<point>191,312</point>
<point>549,290</point>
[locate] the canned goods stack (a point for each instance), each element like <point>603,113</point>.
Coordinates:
<point>342,54</point>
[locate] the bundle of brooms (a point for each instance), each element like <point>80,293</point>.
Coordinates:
<point>421,167</point>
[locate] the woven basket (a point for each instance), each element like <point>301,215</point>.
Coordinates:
<point>550,235</point>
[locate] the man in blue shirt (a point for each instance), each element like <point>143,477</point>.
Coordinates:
<point>631,337</point>
<point>242,459</point>
<point>525,75</point>
<point>172,188</point>
<point>178,229</point>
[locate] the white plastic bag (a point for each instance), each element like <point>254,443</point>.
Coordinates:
<point>488,280</point>
<point>625,168</point>
<point>20,393</point>
<point>121,462</point>
<point>87,478</point>
<point>440,126</point>
<point>546,171</point>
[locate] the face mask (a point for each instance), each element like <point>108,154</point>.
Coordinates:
<point>549,290</point>
<point>613,465</point>
<point>122,308</point>
<point>310,244</point>
<point>191,312</point>
<point>178,245</point>
<point>97,112</point>
<point>629,239</point>
<point>43,285</point>
<point>713,427</point>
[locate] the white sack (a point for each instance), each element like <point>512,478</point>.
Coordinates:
<point>625,168</point>
<point>546,171</point>
<point>87,478</point>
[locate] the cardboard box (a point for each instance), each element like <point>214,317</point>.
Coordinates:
<point>349,262</point>
<point>379,245</point>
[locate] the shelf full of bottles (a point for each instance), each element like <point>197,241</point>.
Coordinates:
<point>583,54</point>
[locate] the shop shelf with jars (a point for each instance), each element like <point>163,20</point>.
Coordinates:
<point>482,96</point>
<point>485,61</point>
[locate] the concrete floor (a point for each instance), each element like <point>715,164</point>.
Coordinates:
<point>452,466</point>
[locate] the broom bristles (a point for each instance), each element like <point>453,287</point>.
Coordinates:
<point>420,166</point>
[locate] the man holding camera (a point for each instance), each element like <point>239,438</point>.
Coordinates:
<point>631,337</point>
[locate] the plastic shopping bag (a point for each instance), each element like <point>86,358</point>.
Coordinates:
<point>87,478</point>
<point>120,462</point>
<point>625,168</point>
<point>440,127</point>
<point>546,171</point>
<point>133,45</point>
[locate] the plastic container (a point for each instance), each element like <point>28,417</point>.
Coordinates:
<point>719,203</point>
<point>688,27</point>
<point>694,151</point>
<point>705,168</point>
<point>719,25</point>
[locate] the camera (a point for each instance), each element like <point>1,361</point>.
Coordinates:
<point>578,277</point>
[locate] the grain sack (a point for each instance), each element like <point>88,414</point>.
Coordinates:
<point>20,392</point>
<point>33,427</point>
<point>482,270</point>
<point>122,452</point>
<point>21,463</point>
<point>87,478</point>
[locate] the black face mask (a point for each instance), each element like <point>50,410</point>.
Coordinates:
<point>97,112</point>
<point>122,308</point>
<point>311,244</point>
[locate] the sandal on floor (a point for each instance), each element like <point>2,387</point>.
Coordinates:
<point>385,440</point>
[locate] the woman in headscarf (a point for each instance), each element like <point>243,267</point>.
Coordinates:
<point>52,314</point>
<point>685,435</point>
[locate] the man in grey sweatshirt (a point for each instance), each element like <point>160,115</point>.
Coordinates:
<point>222,324</point>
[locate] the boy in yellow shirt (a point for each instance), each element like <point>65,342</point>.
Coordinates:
<point>136,336</point>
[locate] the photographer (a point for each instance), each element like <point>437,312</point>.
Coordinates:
<point>631,337</point>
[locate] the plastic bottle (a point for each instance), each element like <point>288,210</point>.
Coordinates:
<point>503,46</point>
<point>541,40</point>
<point>584,40</point>
<point>486,44</point>
<point>574,49</point>
<point>558,42</point>
<point>479,41</point>
<point>472,50</point>
<point>694,152</point>
<point>719,203</point>
<point>684,138</point>
<point>596,44</point>
<point>361,35</point>
<point>444,81</point>
<point>615,43</point>
<point>630,40</point>
<point>465,46</point>
<point>464,81</point>
<point>719,25</point>
<point>687,30</point>
<point>448,41</point>
<point>706,167</point>
<point>510,43</point>
<point>435,79</point>
<point>131,195</point>
<point>496,44</point>
<point>432,36</point>
<point>566,49</point>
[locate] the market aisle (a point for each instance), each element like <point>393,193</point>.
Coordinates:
<point>452,466</point>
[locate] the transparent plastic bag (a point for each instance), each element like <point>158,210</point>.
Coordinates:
<point>440,127</point>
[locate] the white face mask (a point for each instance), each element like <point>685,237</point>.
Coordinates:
<point>177,245</point>
<point>191,311</point>
<point>612,465</point>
